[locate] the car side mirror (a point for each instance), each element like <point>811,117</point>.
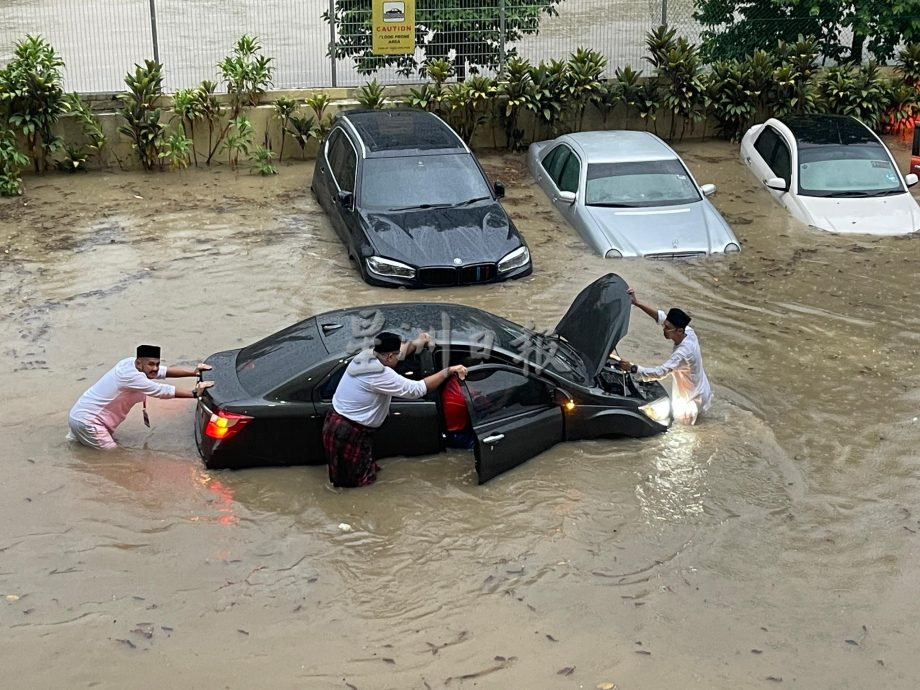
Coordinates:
<point>347,199</point>
<point>499,187</point>
<point>708,189</point>
<point>777,183</point>
<point>911,179</point>
<point>567,197</point>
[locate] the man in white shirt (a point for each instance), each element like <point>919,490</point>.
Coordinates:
<point>362,402</point>
<point>105,405</point>
<point>691,395</point>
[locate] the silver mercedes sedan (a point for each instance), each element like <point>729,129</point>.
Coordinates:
<point>627,193</point>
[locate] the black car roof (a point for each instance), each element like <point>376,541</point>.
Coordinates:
<point>818,130</point>
<point>402,130</point>
<point>345,327</point>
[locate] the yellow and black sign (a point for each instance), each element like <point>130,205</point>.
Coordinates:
<point>394,27</point>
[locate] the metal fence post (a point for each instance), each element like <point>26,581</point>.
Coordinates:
<point>664,12</point>
<point>332,41</point>
<point>501,40</point>
<point>153,31</point>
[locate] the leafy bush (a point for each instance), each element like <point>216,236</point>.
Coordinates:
<point>12,161</point>
<point>371,95</point>
<point>261,160</point>
<point>32,97</point>
<point>94,138</point>
<point>246,73</point>
<point>284,109</point>
<point>138,107</point>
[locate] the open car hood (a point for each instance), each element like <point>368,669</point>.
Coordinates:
<point>597,320</point>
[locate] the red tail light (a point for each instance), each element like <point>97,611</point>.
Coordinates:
<point>224,425</point>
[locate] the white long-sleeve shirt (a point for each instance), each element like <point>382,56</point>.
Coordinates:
<point>686,366</point>
<point>367,387</point>
<point>109,400</point>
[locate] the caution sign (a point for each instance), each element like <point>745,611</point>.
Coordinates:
<point>394,27</point>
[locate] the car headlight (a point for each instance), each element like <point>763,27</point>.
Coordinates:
<point>731,248</point>
<point>658,410</point>
<point>519,257</point>
<point>389,268</point>
<point>613,254</point>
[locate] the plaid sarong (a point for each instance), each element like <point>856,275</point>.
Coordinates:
<point>348,451</point>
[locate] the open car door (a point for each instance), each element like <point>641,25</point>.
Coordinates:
<point>513,417</point>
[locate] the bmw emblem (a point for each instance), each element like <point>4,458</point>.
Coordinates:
<point>458,261</point>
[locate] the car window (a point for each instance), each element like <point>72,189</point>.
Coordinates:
<point>555,162</point>
<point>766,143</point>
<point>501,393</point>
<point>327,387</point>
<point>782,161</point>
<point>342,160</point>
<point>847,170</point>
<point>413,181</point>
<point>640,183</point>
<point>568,178</point>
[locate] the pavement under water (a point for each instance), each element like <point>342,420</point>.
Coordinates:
<point>776,543</point>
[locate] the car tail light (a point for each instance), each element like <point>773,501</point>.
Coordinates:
<point>224,425</point>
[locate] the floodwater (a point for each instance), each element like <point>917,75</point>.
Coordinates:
<point>777,544</point>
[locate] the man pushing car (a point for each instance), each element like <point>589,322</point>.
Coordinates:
<point>362,402</point>
<point>691,394</point>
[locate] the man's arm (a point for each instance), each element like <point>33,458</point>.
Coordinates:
<point>439,377</point>
<point>181,372</point>
<point>194,392</point>
<point>651,311</point>
<point>422,340</point>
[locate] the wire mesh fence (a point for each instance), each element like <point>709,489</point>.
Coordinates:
<point>101,40</point>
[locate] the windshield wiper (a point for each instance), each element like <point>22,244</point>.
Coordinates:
<point>610,204</point>
<point>472,201</point>
<point>840,195</point>
<point>420,206</point>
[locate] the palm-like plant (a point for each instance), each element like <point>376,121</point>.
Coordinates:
<point>246,73</point>
<point>142,115</point>
<point>284,109</point>
<point>512,95</point>
<point>301,130</point>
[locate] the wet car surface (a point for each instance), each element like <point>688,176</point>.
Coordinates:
<point>526,391</point>
<point>629,194</point>
<point>832,173</point>
<point>411,203</point>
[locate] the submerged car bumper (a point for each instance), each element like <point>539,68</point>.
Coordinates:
<point>450,276</point>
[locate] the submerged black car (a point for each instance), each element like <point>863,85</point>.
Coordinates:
<point>526,391</point>
<point>411,203</point>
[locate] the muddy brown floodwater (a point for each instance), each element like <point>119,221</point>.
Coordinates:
<point>775,545</point>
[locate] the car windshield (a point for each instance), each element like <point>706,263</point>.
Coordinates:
<point>642,183</point>
<point>542,351</point>
<point>854,170</point>
<point>408,182</point>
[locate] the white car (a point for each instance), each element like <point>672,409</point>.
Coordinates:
<point>832,173</point>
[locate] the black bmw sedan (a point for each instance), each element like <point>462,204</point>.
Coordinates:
<point>525,391</point>
<point>411,203</point>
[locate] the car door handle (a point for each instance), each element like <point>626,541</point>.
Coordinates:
<point>493,439</point>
